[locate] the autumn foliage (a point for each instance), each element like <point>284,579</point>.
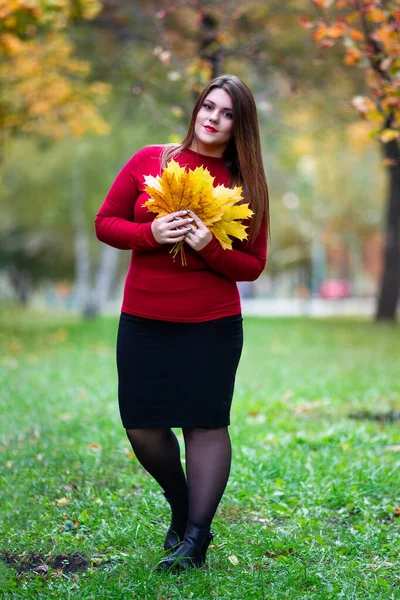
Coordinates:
<point>44,87</point>
<point>218,207</point>
<point>370,33</point>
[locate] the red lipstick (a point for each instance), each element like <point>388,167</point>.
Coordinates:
<point>210,129</point>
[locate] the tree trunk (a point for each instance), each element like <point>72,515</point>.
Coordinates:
<point>210,46</point>
<point>22,282</point>
<point>390,282</point>
<point>82,259</point>
<point>104,279</point>
<point>90,298</point>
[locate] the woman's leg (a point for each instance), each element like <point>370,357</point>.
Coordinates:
<point>158,452</point>
<point>208,461</point>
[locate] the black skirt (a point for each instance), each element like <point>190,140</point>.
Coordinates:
<point>177,374</point>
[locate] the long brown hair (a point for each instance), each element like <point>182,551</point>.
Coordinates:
<point>242,155</point>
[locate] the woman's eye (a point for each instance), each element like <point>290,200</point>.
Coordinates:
<point>229,115</point>
<point>207,105</point>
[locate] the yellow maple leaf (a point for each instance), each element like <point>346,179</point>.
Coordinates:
<point>177,189</point>
<point>232,214</point>
<point>175,169</point>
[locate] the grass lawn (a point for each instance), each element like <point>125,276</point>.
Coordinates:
<point>312,505</point>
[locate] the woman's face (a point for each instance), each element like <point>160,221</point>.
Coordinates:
<point>214,122</point>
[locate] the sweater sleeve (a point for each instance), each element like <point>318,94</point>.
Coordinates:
<point>246,262</point>
<point>114,222</point>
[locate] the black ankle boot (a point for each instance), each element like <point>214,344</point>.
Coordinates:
<point>176,534</point>
<point>191,552</point>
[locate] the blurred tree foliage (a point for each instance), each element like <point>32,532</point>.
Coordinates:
<point>45,94</point>
<point>45,90</point>
<point>156,56</point>
<point>370,32</point>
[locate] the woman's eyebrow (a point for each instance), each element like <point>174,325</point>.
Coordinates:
<point>211,102</point>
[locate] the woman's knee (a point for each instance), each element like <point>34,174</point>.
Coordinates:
<point>137,435</point>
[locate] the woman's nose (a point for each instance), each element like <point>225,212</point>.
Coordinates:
<point>214,116</point>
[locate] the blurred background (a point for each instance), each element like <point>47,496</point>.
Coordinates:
<point>85,84</point>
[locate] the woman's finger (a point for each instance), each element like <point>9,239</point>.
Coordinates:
<point>198,221</point>
<point>190,241</point>
<point>175,224</point>
<point>172,216</point>
<point>182,231</point>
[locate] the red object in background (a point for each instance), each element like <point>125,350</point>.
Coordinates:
<point>335,289</point>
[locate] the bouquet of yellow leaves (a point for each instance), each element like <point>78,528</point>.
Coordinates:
<point>218,208</point>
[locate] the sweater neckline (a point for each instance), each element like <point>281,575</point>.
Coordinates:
<point>193,153</point>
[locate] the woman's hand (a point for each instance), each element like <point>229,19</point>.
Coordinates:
<point>172,228</point>
<point>199,237</point>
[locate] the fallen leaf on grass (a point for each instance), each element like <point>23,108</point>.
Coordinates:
<point>395,448</point>
<point>95,447</point>
<point>129,453</point>
<point>396,510</point>
<point>70,486</point>
<point>61,501</point>
<point>233,559</point>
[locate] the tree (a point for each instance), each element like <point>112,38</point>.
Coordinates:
<point>45,88</point>
<point>369,30</point>
<point>46,93</point>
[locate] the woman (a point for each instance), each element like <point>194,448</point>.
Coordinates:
<point>180,332</point>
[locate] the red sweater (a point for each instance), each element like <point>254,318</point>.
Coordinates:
<point>156,287</point>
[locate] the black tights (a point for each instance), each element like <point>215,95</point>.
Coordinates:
<point>208,460</point>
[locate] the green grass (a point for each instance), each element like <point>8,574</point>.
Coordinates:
<point>310,507</point>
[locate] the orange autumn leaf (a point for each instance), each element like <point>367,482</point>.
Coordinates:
<point>356,35</point>
<point>389,37</point>
<point>352,57</point>
<point>319,33</point>
<point>376,15</point>
<point>336,31</point>
<point>95,447</point>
